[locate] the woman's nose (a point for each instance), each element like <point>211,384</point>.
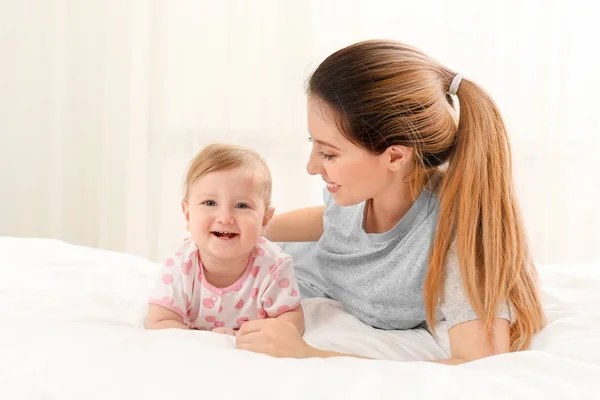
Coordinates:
<point>312,167</point>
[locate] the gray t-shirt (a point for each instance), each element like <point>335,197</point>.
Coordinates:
<point>379,277</point>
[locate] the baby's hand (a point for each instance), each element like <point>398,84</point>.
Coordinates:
<point>225,331</point>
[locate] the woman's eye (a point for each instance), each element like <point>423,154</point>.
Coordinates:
<point>242,205</point>
<point>325,156</point>
<point>309,139</point>
<point>209,203</point>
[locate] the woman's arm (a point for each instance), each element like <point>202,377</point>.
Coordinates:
<point>302,225</point>
<point>468,337</point>
<point>294,317</point>
<point>468,341</point>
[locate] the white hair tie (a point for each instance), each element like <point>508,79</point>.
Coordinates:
<point>453,91</point>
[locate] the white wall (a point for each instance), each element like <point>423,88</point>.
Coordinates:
<point>102,103</point>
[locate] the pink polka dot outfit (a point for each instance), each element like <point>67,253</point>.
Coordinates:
<point>267,288</point>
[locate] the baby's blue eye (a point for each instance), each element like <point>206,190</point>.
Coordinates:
<point>242,205</point>
<point>209,203</point>
<point>309,139</point>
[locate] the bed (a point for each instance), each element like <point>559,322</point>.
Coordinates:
<point>71,328</point>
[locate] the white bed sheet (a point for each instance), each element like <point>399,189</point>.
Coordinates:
<point>70,328</point>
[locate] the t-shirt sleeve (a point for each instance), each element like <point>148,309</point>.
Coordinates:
<point>282,293</point>
<point>455,304</point>
<point>168,291</point>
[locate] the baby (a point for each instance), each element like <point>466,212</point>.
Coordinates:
<point>226,273</point>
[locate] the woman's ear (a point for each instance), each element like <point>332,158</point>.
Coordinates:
<point>268,215</point>
<point>185,208</point>
<point>398,157</point>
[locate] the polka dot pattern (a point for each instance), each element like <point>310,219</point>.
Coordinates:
<point>265,289</point>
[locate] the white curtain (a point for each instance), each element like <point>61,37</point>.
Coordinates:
<point>103,103</point>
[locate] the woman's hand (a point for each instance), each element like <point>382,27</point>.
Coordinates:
<point>224,331</point>
<point>272,337</point>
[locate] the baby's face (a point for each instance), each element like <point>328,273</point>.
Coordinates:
<point>225,213</point>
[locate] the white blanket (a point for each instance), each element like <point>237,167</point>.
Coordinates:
<point>70,328</point>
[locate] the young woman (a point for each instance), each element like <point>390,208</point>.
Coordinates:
<point>420,222</point>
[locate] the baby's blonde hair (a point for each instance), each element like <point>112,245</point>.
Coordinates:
<point>220,157</point>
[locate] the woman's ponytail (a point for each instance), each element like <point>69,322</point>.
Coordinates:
<point>479,214</point>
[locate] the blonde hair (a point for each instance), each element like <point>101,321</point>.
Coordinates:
<point>220,157</point>
<point>386,93</point>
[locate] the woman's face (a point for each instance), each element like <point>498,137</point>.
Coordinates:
<point>352,174</point>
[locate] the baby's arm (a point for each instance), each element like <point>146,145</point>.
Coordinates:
<point>295,317</point>
<point>167,305</point>
<point>281,300</point>
<point>161,318</point>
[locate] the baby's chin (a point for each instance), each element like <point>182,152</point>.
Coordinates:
<point>230,247</point>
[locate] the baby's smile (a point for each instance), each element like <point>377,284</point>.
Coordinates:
<point>224,235</point>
